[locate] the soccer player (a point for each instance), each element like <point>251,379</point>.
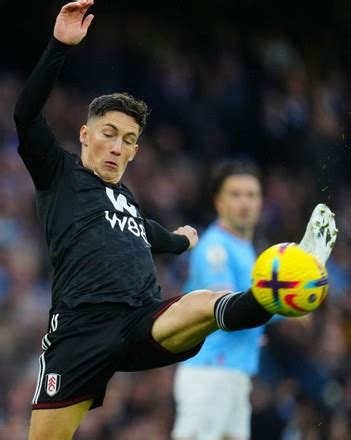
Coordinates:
<point>107,311</point>
<point>212,389</point>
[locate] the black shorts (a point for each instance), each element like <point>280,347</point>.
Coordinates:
<point>85,346</point>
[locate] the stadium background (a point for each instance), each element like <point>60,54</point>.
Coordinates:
<point>269,80</point>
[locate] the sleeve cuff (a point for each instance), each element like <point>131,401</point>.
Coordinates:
<point>181,242</point>
<point>57,45</point>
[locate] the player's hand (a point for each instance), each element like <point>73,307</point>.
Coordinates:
<point>190,233</point>
<point>71,23</point>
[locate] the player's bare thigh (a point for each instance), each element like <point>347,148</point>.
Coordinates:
<point>59,423</point>
<point>188,321</point>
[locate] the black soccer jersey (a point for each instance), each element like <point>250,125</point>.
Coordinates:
<point>99,243</point>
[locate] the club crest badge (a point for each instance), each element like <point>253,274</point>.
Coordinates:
<point>52,383</point>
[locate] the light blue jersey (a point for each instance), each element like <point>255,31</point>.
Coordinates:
<point>221,261</point>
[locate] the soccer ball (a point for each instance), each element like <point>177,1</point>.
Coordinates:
<point>288,280</point>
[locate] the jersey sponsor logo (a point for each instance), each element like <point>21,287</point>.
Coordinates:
<point>122,205</point>
<point>52,383</point>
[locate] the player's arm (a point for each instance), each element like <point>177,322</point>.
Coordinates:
<point>38,146</point>
<point>164,241</point>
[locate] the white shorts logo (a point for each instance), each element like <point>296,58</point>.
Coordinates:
<point>52,383</point>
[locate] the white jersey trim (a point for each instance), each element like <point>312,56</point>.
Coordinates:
<point>45,344</point>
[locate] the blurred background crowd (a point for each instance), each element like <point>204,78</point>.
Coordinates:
<point>242,80</point>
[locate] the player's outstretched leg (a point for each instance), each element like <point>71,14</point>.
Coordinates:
<point>188,321</point>
<point>321,233</point>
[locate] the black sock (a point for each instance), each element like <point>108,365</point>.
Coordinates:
<point>239,311</point>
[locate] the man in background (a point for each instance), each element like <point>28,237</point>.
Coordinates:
<point>212,389</point>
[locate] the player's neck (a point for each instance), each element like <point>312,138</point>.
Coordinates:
<point>242,233</point>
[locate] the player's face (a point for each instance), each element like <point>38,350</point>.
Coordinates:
<point>109,144</point>
<point>239,203</point>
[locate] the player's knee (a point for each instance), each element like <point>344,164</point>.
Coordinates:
<point>202,302</point>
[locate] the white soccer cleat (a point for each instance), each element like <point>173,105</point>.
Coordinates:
<point>321,233</point>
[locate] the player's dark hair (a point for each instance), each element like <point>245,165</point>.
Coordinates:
<point>231,167</point>
<point>120,102</point>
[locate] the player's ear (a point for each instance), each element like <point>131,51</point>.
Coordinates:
<point>83,135</point>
